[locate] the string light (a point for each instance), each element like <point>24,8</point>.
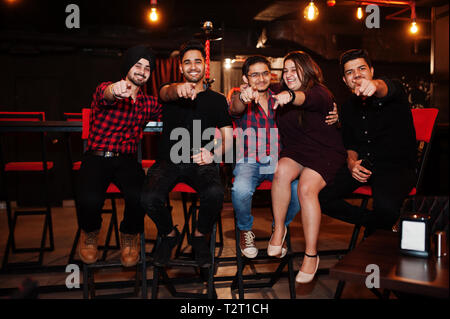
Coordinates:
<point>359,13</point>
<point>153,16</point>
<point>414,28</point>
<point>311,12</point>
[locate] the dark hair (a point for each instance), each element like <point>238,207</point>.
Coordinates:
<point>253,60</point>
<point>352,55</point>
<point>192,45</point>
<point>308,71</point>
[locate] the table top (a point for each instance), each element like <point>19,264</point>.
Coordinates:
<point>423,276</point>
<point>58,126</point>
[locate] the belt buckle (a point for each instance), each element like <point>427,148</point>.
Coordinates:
<point>109,154</point>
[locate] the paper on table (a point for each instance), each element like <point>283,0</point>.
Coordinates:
<point>413,235</point>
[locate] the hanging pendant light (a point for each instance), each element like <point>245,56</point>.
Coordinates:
<point>311,12</point>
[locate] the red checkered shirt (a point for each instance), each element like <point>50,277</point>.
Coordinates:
<point>254,117</point>
<point>118,126</point>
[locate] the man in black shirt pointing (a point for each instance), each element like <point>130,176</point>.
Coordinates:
<point>192,114</point>
<point>379,136</point>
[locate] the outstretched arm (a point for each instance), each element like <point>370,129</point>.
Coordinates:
<point>174,91</point>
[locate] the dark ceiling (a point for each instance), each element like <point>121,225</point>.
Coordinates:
<point>120,23</point>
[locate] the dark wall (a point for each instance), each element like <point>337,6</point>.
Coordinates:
<point>54,82</point>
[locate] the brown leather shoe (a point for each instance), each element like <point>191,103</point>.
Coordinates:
<point>247,244</point>
<point>87,248</point>
<point>129,249</point>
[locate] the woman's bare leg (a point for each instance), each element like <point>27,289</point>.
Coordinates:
<point>287,170</point>
<point>309,186</point>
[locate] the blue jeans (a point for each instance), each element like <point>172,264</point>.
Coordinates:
<point>247,177</point>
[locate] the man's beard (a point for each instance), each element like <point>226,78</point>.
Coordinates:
<point>136,82</point>
<point>196,79</point>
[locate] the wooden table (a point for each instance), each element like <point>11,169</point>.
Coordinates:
<point>422,276</point>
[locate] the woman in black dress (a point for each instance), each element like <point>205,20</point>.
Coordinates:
<point>312,151</point>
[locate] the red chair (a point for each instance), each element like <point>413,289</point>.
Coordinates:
<point>424,121</point>
<point>42,167</point>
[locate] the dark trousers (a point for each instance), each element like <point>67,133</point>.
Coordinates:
<point>164,175</point>
<point>96,173</point>
<point>390,186</point>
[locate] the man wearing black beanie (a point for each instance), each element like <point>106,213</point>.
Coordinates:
<point>119,113</point>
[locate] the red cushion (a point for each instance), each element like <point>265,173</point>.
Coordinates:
<point>265,185</point>
<point>424,122</point>
<point>86,113</point>
<point>76,165</point>
<point>26,166</point>
<point>363,190</point>
<point>112,189</point>
<point>22,116</point>
<point>367,191</point>
<point>184,188</point>
<point>147,163</point>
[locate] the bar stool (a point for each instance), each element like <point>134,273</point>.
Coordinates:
<point>42,167</point>
<point>242,261</point>
<point>112,193</point>
<point>181,260</point>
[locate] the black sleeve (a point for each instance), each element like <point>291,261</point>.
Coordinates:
<point>396,92</point>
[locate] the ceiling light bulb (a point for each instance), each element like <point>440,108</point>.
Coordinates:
<point>311,12</point>
<point>359,13</point>
<point>413,28</point>
<point>153,15</point>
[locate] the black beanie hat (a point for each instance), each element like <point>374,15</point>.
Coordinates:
<point>134,54</point>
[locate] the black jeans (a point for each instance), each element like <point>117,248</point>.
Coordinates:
<point>390,186</point>
<point>96,173</point>
<point>164,175</point>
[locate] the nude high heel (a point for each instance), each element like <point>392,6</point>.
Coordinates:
<point>303,277</point>
<point>277,251</point>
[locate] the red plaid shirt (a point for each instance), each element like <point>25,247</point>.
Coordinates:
<point>254,117</point>
<point>118,126</point>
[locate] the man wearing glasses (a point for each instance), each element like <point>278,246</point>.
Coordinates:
<point>252,110</point>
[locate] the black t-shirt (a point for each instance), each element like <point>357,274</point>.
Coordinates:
<point>192,123</point>
<point>381,129</point>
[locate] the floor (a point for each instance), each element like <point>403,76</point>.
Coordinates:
<point>334,235</point>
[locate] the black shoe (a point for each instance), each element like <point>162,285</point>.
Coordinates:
<point>201,251</point>
<point>164,248</point>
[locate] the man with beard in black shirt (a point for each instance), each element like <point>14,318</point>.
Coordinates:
<point>193,112</point>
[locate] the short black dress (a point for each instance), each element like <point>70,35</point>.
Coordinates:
<point>314,144</point>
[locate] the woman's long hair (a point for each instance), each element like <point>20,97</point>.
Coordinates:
<point>308,72</point>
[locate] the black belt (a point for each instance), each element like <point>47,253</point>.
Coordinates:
<point>106,153</point>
